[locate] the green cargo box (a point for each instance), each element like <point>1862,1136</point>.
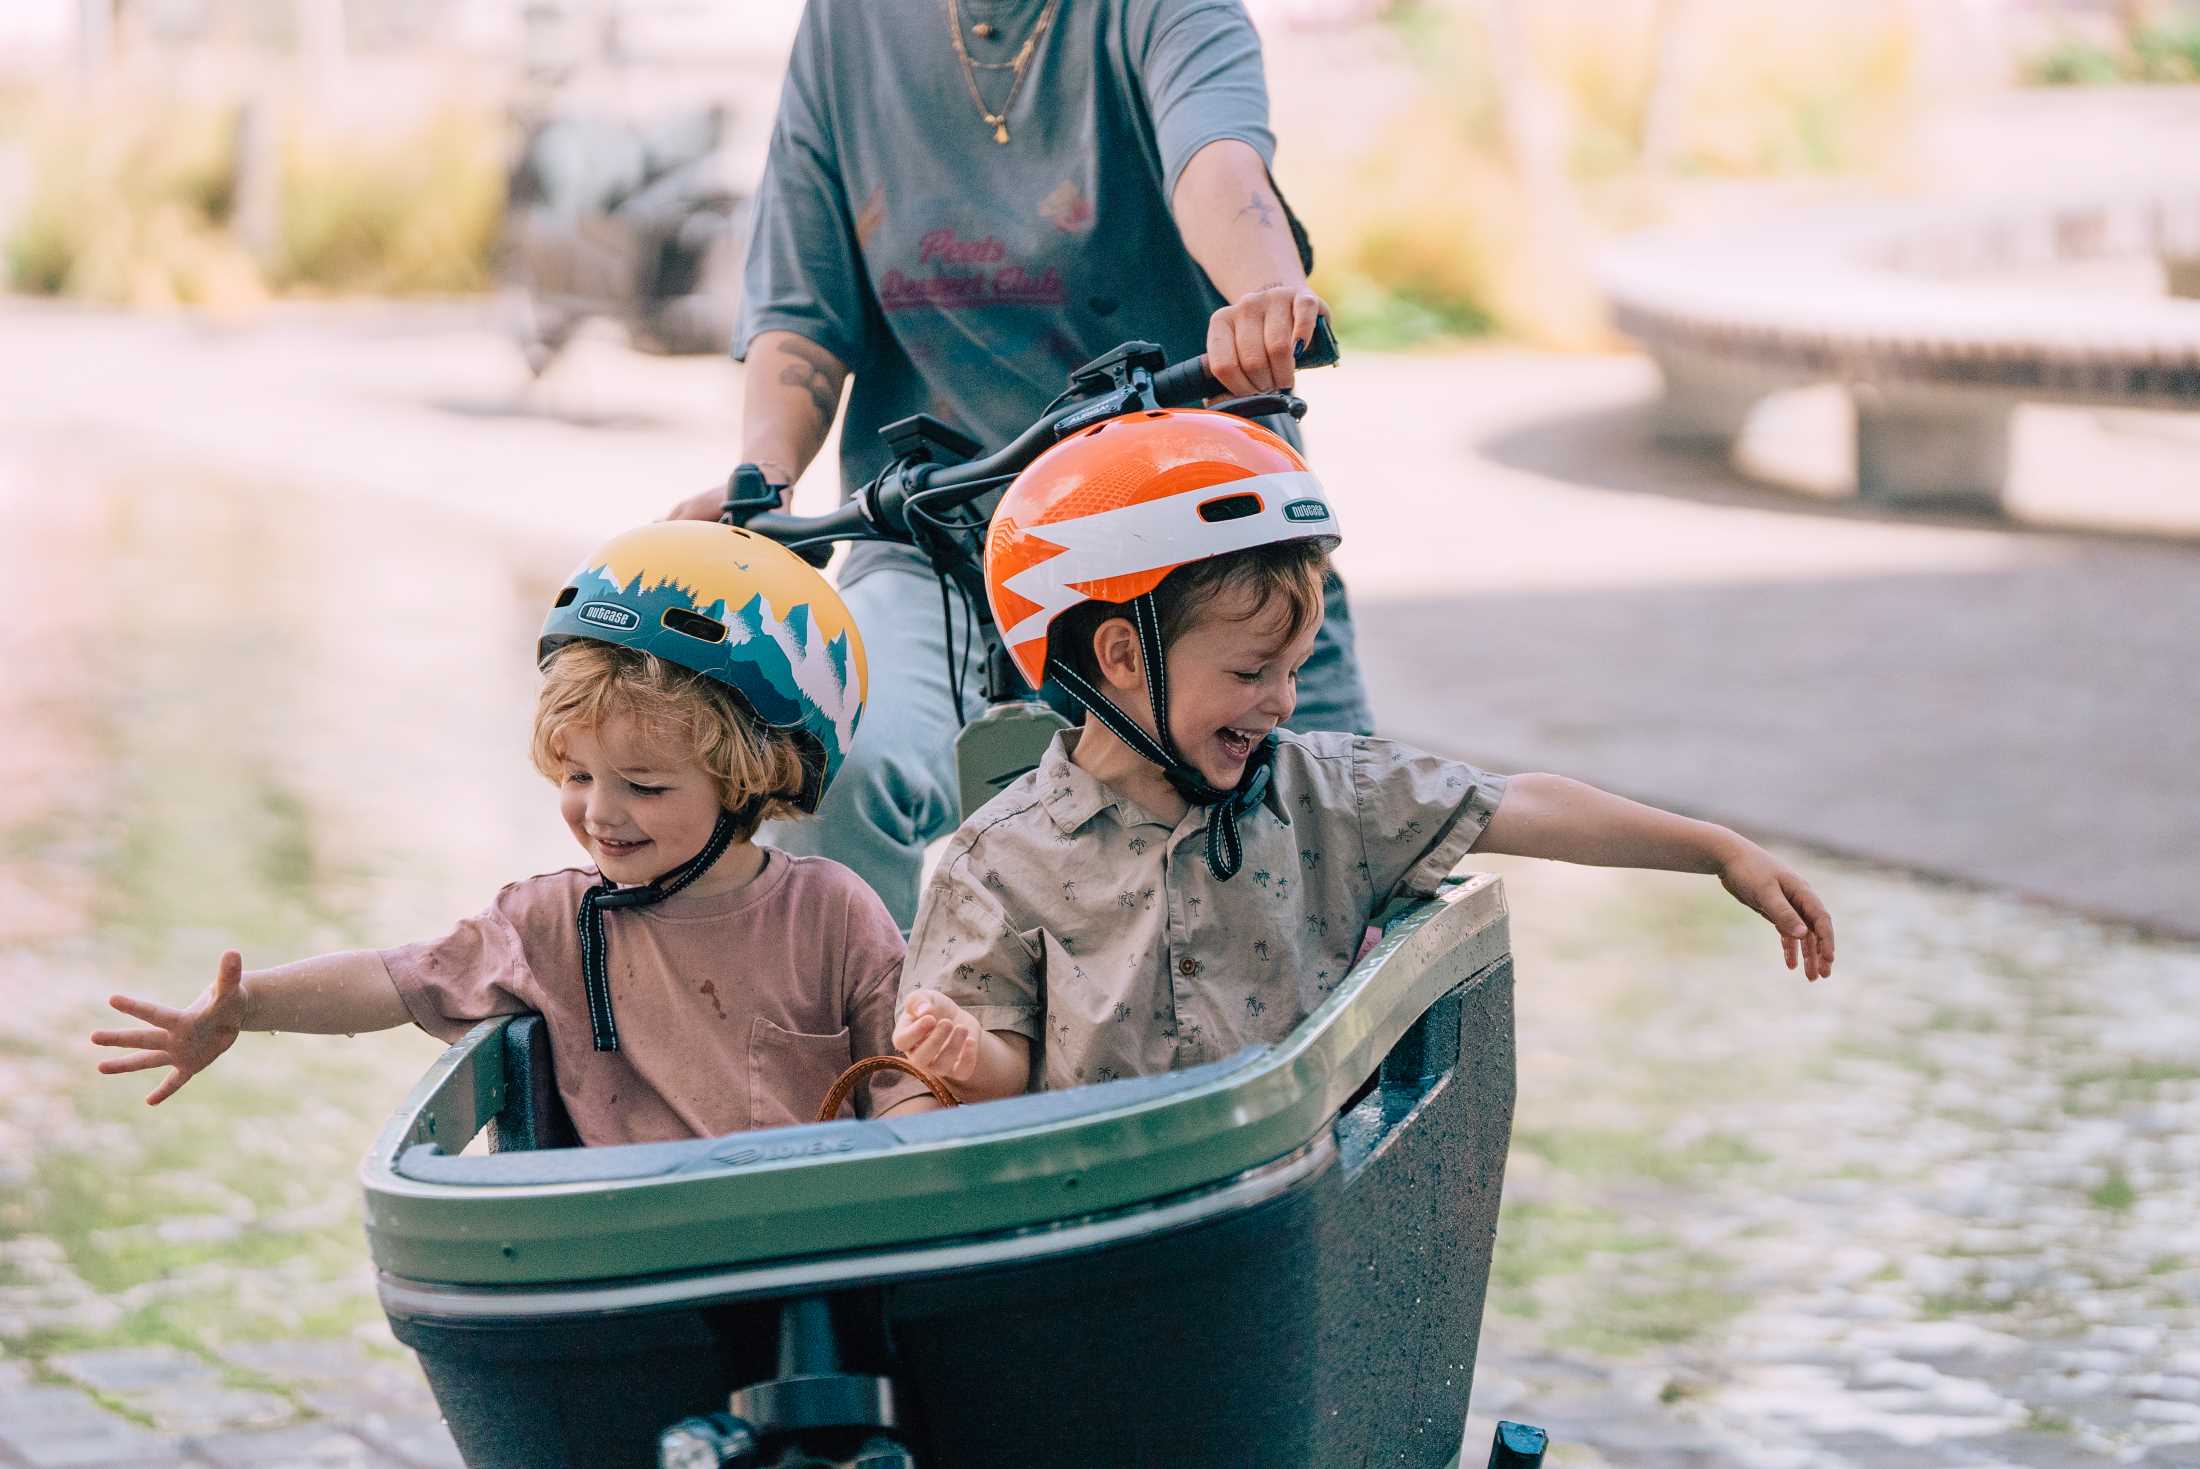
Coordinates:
<point>1277,1259</point>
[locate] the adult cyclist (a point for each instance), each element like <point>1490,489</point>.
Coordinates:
<point>963,200</point>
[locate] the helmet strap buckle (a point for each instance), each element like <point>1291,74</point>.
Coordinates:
<point>1225,848</point>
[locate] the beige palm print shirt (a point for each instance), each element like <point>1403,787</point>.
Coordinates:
<point>1064,912</point>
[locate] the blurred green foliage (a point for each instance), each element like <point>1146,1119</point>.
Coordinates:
<point>2075,63</point>
<point>2169,51</point>
<point>407,214</point>
<point>139,206</point>
<point>129,208</point>
<point>2161,47</point>
<point>1440,231</point>
<point>1384,317</point>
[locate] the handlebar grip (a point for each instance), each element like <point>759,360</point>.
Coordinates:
<point>1187,383</point>
<point>1321,346</point>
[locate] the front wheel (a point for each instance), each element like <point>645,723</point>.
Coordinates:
<point>720,1441</point>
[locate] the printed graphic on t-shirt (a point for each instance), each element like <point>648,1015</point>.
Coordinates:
<point>957,273</point>
<point>1067,209</point>
<point>870,217</point>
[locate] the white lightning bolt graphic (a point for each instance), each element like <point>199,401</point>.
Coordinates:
<point>1162,532</point>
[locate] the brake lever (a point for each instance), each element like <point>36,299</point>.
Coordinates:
<point>1263,405</point>
<point>749,494</point>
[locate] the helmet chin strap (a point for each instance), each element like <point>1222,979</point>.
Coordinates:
<point>1225,849</point>
<point>596,941</point>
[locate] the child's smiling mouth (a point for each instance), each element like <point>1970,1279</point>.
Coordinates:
<point>1238,743</point>
<point>618,848</point>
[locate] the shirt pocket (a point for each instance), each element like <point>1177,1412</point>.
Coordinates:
<point>790,1071</point>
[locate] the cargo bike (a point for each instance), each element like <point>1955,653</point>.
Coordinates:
<point>1277,1259</point>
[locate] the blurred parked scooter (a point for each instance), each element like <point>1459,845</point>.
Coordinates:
<point>633,223</point>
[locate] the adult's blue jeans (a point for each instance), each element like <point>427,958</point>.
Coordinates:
<point>896,792</point>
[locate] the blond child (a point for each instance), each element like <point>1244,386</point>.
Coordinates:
<point>697,679</point>
<point>1182,877</point>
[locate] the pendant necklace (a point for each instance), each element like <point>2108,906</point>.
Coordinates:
<point>1015,67</point>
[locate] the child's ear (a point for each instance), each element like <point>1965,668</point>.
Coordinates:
<point>1117,655</point>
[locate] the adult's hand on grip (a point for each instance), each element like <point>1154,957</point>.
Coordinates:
<point>1253,343</point>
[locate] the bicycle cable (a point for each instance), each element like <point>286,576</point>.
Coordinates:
<point>940,535</point>
<point>956,667</point>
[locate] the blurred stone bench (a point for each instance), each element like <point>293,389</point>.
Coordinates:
<point>1876,299</point>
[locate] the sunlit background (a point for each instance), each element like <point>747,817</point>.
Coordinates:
<point>1656,470</point>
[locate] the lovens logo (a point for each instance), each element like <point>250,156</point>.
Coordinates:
<point>747,1153</point>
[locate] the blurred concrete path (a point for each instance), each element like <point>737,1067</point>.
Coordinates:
<point>2005,703</point>
<point>1537,585</point>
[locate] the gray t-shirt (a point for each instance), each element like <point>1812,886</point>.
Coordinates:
<point>964,278</point>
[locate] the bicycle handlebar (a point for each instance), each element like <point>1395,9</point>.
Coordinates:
<point>1187,383</point>
<point>1182,384</point>
<point>842,524</point>
<point>880,512</point>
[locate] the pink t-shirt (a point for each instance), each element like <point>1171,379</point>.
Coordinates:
<point>734,1012</point>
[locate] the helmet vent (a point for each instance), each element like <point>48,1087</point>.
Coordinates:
<point>695,625</point>
<point>1230,507</point>
<point>565,598</point>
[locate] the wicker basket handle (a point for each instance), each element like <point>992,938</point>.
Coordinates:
<point>870,1064</point>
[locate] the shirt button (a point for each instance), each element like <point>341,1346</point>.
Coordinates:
<point>1187,967</point>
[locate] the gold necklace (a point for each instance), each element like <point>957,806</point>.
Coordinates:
<point>986,30</point>
<point>1015,68</point>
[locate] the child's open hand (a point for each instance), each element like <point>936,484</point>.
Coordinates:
<point>1778,892</point>
<point>938,1034</point>
<point>187,1040</point>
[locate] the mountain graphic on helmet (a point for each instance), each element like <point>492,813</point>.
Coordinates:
<point>737,608</point>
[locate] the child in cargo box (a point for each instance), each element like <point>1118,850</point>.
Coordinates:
<point>1182,877</point>
<point>697,679</point>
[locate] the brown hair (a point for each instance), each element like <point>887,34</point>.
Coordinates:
<point>587,683</point>
<point>1292,570</point>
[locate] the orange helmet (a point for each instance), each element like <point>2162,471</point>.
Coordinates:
<point>1109,511</point>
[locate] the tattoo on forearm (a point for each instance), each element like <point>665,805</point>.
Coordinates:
<point>809,368</point>
<point>1261,209</point>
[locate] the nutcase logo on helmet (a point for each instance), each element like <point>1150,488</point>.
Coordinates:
<point>1306,510</point>
<point>610,614</point>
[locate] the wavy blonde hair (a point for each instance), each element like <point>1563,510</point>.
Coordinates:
<point>758,769</point>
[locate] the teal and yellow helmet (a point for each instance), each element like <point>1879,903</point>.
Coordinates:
<point>737,608</point>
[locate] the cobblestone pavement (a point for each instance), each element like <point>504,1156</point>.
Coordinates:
<point>329,1405</point>
<point>189,1286</point>
<point>1934,1212</point>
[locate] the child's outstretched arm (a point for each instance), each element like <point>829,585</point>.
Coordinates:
<point>1552,816</point>
<point>327,995</point>
<point>944,1038</point>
